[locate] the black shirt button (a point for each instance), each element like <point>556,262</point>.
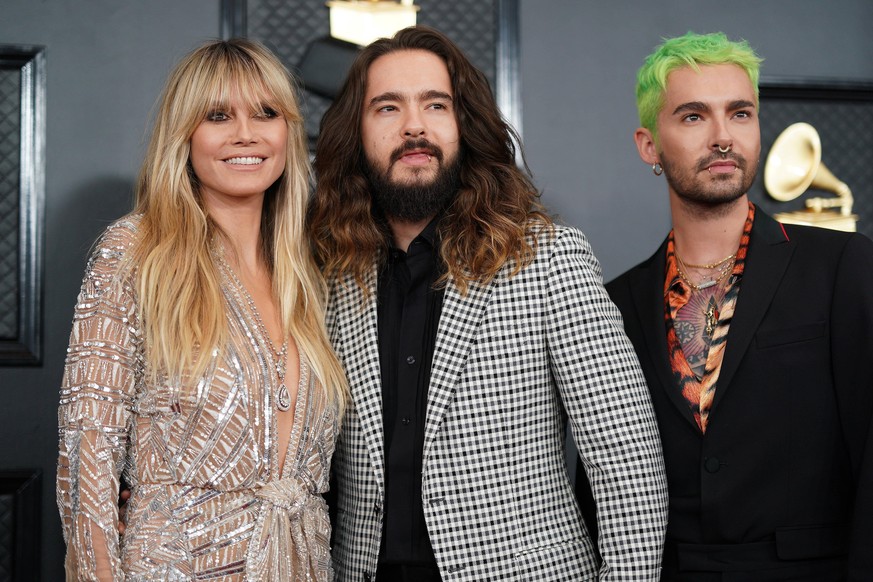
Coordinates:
<point>410,360</point>
<point>712,465</point>
<point>405,421</point>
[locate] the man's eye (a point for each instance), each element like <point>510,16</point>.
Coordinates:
<point>692,117</point>
<point>743,114</point>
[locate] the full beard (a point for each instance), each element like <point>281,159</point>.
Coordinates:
<point>710,196</point>
<point>416,200</point>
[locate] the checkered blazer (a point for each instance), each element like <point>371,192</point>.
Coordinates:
<point>497,499</point>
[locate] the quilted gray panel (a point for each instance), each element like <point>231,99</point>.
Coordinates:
<point>10,163</point>
<point>471,24</point>
<point>288,26</point>
<point>846,132</point>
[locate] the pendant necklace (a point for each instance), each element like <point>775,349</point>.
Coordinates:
<point>711,312</point>
<point>283,397</point>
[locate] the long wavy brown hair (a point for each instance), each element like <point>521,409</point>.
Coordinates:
<point>487,223</point>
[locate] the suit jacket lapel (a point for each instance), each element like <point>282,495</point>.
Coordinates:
<point>768,256</point>
<point>459,323</point>
<point>358,331</point>
<point>650,309</point>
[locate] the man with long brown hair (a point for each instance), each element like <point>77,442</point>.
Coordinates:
<point>468,323</point>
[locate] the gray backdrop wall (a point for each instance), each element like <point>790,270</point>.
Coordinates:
<point>107,59</point>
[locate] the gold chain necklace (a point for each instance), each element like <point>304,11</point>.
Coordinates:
<point>711,312</point>
<point>710,265</point>
<point>723,272</point>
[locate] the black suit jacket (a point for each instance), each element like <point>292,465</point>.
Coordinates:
<point>787,457</point>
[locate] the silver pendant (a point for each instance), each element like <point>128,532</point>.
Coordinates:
<point>283,399</point>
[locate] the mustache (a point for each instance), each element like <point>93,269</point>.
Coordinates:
<point>704,163</point>
<point>417,144</point>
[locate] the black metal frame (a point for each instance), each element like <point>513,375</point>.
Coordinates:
<point>815,89</point>
<point>233,18</point>
<point>26,347</point>
<point>25,487</point>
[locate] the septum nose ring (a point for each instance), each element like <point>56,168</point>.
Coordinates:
<point>724,152</point>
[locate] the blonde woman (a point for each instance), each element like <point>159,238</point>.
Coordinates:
<point>199,367</point>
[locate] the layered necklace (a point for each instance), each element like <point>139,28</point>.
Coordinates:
<point>721,269</point>
<point>283,397</point>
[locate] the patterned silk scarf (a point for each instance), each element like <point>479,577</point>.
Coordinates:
<point>696,362</point>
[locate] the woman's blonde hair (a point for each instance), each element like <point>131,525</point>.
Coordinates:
<point>183,310</point>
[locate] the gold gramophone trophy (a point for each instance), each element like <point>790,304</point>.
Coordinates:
<point>794,165</point>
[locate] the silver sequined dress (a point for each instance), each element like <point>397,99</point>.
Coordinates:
<point>208,502</point>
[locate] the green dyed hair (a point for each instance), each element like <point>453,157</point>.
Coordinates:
<point>689,50</point>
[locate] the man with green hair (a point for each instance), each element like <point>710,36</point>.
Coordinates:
<point>756,340</point>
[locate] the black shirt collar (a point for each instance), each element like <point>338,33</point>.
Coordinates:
<point>428,235</point>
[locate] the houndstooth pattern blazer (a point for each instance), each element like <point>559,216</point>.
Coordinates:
<point>497,499</point>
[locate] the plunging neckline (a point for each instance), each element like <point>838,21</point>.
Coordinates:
<point>302,397</point>
<point>265,346</point>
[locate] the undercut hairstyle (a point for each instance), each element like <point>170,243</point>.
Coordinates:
<point>178,284</point>
<point>690,50</point>
<point>491,220</point>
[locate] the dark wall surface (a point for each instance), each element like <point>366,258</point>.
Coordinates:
<point>107,60</point>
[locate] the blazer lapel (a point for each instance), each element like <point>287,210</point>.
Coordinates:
<point>650,310</point>
<point>769,253</point>
<point>459,323</point>
<point>359,349</point>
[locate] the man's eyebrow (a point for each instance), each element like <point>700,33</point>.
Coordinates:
<point>692,106</point>
<point>740,104</point>
<point>434,94</point>
<point>700,107</point>
<point>387,96</point>
<point>423,96</point>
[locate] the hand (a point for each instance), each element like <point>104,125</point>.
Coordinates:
<point>123,498</point>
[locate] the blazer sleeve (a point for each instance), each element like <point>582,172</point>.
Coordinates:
<point>852,354</point>
<point>610,412</point>
<point>94,412</point>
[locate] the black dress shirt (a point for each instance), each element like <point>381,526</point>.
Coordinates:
<point>408,314</point>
